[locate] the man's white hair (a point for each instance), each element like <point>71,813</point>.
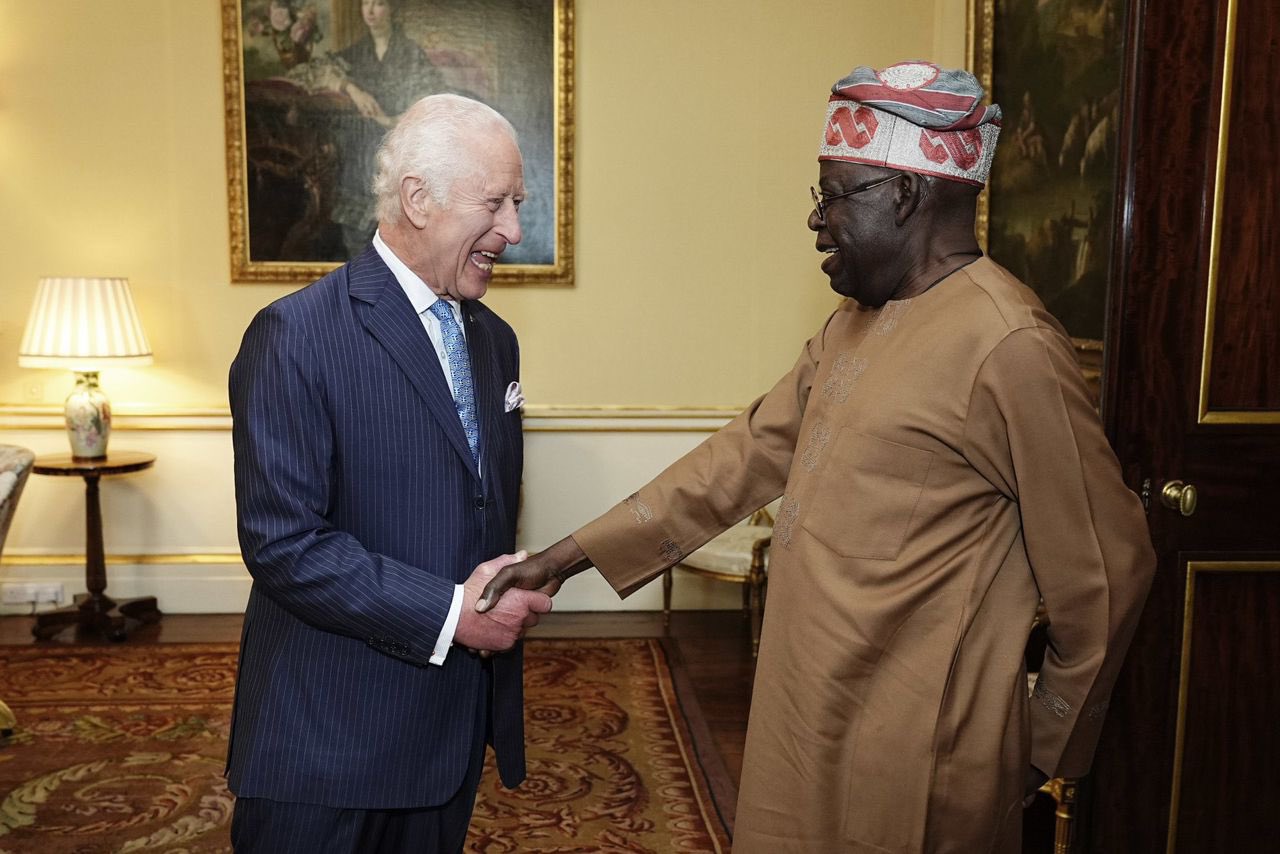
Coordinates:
<point>433,141</point>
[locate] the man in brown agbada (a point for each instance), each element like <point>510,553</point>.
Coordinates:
<point>942,468</point>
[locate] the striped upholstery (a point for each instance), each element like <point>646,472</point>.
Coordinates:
<point>359,508</point>
<point>15,467</point>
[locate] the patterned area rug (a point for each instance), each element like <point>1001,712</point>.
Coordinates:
<point>121,748</point>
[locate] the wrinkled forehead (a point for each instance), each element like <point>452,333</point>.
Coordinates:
<point>493,166</point>
<point>835,174</point>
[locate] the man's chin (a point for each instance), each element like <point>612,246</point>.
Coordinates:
<point>838,277</point>
<point>847,291</point>
<point>474,285</point>
<point>843,287</point>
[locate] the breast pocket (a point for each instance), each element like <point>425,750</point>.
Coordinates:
<point>868,492</point>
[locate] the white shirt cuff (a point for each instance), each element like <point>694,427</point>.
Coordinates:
<point>447,630</point>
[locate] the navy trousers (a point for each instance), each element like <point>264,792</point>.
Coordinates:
<point>264,826</point>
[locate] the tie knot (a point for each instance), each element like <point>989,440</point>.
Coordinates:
<point>443,312</point>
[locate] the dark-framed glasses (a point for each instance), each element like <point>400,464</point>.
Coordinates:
<point>821,200</point>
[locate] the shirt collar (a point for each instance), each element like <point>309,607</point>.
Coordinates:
<point>420,296</point>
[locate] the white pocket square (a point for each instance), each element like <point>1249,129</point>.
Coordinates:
<point>514,398</point>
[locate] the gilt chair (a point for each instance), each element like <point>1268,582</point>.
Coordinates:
<point>1063,790</point>
<point>15,466</point>
<point>739,555</point>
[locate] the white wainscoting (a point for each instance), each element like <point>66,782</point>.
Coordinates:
<point>170,531</point>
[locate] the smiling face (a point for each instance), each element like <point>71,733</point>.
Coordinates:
<point>858,235</point>
<point>458,244</point>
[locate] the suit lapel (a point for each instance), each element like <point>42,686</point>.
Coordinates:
<point>388,316</point>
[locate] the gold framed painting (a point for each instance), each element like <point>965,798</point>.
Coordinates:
<point>311,86</point>
<point>1055,68</point>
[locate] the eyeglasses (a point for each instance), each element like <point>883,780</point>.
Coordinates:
<point>821,200</point>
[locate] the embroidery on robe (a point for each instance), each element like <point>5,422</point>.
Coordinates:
<point>788,511</point>
<point>1097,710</point>
<point>891,315</point>
<point>671,553</point>
<point>819,436</point>
<point>844,376</point>
<point>638,508</point>
<point>1050,700</point>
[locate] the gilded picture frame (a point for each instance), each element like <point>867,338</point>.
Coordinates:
<point>1055,68</point>
<point>308,97</point>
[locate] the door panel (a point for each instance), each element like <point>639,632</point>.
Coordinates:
<point>1192,393</point>
<point>1242,369</point>
<point>1226,741</point>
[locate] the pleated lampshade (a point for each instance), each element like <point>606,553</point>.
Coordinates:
<point>84,324</point>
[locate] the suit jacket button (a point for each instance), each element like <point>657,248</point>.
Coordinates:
<point>480,502</point>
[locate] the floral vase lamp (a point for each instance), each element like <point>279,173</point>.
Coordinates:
<point>85,325</point>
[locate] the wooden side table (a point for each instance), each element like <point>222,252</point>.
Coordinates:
<point>95,610</point>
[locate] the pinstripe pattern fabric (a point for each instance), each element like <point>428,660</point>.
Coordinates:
<point>359,509</point>
<point>262,826</point>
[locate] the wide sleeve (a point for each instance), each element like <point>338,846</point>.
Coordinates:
<point>1033,432</point>
<point>284,470</point>
<point>738,470</point>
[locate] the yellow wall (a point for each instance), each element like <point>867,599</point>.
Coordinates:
<point>697,281</point>
<point>697,126</point>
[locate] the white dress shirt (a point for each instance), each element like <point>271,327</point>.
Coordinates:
<point>422,298</point>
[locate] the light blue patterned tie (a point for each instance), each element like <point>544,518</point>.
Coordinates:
<point>464,396</point>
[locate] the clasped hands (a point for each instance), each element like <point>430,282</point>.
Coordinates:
<point>507,595</point>
<point>497,629</point>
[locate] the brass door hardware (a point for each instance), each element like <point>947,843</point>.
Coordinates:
<point>1179,496</point>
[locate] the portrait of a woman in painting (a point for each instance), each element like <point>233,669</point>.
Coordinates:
<point>323,80</point>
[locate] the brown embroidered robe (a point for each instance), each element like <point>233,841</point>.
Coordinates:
<point>943,467</point>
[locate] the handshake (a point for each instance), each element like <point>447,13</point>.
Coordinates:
<point>507,595</point>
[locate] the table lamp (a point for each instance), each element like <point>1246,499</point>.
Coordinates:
<point>84,324</point>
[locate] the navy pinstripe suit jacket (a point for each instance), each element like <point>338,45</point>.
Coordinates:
<point>359,508</point>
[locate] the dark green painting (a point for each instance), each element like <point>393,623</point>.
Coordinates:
<point>1056,72</point>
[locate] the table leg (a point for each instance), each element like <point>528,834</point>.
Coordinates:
<point>95,610</point>
<point>50,623</point>
<point>95,560</point>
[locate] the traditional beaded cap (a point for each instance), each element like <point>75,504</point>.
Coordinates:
<point>913,116</point>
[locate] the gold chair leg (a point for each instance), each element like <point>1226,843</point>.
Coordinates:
<point>753,587</point>
<point>666,598</point>
<point>1064,792</point>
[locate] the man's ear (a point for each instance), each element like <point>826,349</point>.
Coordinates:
<point>909,192</point>
<point>415,200</point>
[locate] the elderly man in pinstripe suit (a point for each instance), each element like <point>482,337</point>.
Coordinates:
<point>377,472</point>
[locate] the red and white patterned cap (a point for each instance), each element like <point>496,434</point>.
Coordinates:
<point>913,116</point>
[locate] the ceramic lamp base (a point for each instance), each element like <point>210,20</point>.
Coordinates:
<point>88,417</point>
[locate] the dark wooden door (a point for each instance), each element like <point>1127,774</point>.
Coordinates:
<point>1190,757</point>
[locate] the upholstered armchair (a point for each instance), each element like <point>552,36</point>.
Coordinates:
<point>15,465</point>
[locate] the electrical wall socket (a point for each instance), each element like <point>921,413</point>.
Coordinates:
<point>27,592</point>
